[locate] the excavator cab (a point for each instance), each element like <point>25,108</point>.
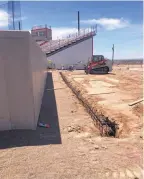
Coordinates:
<point>98,63</point>
<point>97,58</point>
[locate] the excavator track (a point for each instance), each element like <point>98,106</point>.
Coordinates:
<point>102,70</point>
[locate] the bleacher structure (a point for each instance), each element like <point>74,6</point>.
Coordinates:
<point>53,46</point>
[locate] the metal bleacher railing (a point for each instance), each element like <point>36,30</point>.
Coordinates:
<point>54,45</point>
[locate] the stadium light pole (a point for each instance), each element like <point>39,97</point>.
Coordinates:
<point>19,25</point>
<point>13,14</point>
<point>78,22</point>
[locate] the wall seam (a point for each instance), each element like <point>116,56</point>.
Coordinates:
<point>92,46</point>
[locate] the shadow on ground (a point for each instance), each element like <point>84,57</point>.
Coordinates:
<point>41,136</point>
<point>102,73</point>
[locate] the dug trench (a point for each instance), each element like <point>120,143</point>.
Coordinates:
<point>107,126</point>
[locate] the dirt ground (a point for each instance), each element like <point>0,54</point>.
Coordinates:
<point>112,94</point>
<point>71,148</point>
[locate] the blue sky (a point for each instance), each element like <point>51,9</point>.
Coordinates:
<point>119,23</point>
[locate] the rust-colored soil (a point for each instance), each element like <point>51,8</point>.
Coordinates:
<point>111,94</point>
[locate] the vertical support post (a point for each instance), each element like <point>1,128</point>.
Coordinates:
<point>76,36</point>
<point>113,54</point>
<point>46,32</point>
<point>59,43</point>
<point>96,28</point>
<point>50,46</point>
<point>78,22</point>
<point>92,45</point>
<point>20,15</point>
<point>19,25</point>
<point>13,18</point>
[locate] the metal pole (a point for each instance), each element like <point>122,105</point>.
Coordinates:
<point>19,26</point>
<point>96,28</point>
<point>13,14</point>
<point>59,43</point>
<point>78,22</point>
<point>20,16</point>
<point>112,54</point>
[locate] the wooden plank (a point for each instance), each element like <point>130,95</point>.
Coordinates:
<point>135,102</point>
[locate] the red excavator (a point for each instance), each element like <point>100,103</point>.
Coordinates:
<point>97,63</point>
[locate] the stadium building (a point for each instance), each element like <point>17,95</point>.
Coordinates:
<point>74,50</point>
<point>40,33</point>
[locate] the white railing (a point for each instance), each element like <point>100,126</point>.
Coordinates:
<point>57,44</point>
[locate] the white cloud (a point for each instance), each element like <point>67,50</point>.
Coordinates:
<point>3,18</point>
<point>59,32</point>
<point>108,23</point>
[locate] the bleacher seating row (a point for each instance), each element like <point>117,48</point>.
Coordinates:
<point>53,45</point>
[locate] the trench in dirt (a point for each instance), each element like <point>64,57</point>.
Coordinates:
<point>106,126</point>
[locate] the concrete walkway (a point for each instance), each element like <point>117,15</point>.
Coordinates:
<point>71,148</point>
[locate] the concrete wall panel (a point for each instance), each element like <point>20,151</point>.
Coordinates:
<point>38,63</point>
<point>21,58</point>
<point>4,111</point>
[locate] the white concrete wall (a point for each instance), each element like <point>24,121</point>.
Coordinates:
<point>20,92</point>
<point>38,69</point>
<point>4,109</point>
<point>79,52</point>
